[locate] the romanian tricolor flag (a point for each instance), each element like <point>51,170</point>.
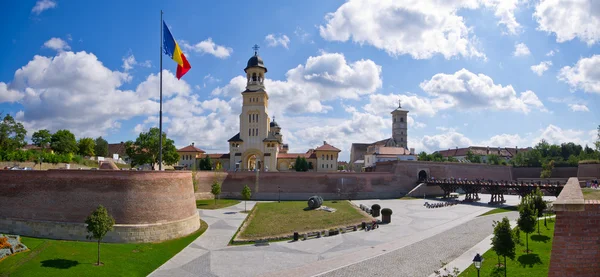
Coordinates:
<point>171,48</point>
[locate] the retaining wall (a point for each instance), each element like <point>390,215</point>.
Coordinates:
<point>147,206</point>
<point>588,170</point>
<point>576,243</point>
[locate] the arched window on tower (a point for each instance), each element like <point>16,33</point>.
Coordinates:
<point>402,119</point>
<point>254,78</point>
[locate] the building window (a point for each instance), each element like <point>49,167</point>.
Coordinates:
<point>322,166</point>
<point>402,119</point>
<point>249,134</point>
<point>249,118</point>
<point>322,157</point>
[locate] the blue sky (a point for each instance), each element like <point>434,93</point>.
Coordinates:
<point>471,72</point>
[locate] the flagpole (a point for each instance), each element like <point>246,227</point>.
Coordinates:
<point>160,142</point>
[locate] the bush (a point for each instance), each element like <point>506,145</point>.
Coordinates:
<point>386,211</point>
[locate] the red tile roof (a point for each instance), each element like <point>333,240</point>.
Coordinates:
<point>219,156</point>
<point>392,151</point>
<point>307,155</point>
<point>483,151</point>
<point>191,148</point>
<point>327,147</point>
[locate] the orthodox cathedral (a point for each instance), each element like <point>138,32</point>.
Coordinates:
<point>259,144</point>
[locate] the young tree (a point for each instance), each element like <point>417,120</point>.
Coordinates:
<point>246,194</point>
<point>473,158</point>
<point>99,222</point>
<point>42,138</point>
<point>86,146</point>
<point>502,241</point>
<point>101,148</point>
<point>63,142</point>
<point>547,169</point>
<point>310,166</point>
<point>298,164</point>
<point>526,221</point>
<point>423,156</point>
<point>494,159</point>
<point>12,134</point>
<point>146,147</point>
<point>215,189</point>
<point>304,164</point>
<point>539,204</point>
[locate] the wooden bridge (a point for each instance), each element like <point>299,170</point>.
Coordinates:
<point>497,189</point>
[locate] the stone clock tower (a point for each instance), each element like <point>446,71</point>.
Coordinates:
<point>400,126</point>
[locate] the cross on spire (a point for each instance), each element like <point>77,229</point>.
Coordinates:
<point>273,118</point>
<point>255,47</point>
<point>399,103</point>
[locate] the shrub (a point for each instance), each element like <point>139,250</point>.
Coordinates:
<point>4,243</point>
<point>386,211</point>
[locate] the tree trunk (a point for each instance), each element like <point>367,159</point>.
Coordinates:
<point>527,243</point>
<point>538,224</point>
<point>504,266</point>
<point>245,210</point>
<point>98,252</point>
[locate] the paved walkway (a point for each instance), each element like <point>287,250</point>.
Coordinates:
<point>414,228</point>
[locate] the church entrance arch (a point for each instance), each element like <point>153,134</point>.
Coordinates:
<point>422,175</point>
<point>252,160</point>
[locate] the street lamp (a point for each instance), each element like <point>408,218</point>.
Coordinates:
<point>279,194</point>
<point>477,262</point>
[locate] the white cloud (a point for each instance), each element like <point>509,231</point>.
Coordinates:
<point>209,47</point>
<point>383,104</point>
<point>569,19</point>
<point>521,50</point>
<point>418,28</point>
<point>273,40</point>
<point>129,62</point>
<point>578,108</point>
<point>302,35</point>
<point>466,90</point>
<point>556,135</point>
<point>584,75</point>
<point>444,141</point>
<point>42,5</point>
<point>9,95</point>
<point>322,78</point>
<point>57,44</point>
<point>539,69</point>
<point>505,11</point>
<point>552,53</point>
<point>506,140</point>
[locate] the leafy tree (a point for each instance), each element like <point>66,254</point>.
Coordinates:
<point>452,159</point>
<point>473,158</point>
<point>310,166</point>
<point>12,134</point>
<point>597,143</point>
<point>146,147</point>
<point>42,138</point>
<point>205,163</point>
<point>246,194</point>
<point>547,169</point>
<point>502,241</point>
<point>99,222</point>
<point>304,164</point>
<point>101,148</point>
<point>527,219</point>
<point>437,157</point>
<point>539,204</point>
<point>493,159</point>
<point>423,156</point>
<point>297,164</point>
<point>86,147</point>
<point>63,142</point>
<point>215,189</point>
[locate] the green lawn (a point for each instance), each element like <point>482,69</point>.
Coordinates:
<point>536,263</point>
<point>501,210</point>
<point>408,198</point>
<point>275,219</point>
<point>591,194</point>
<point>209,204</point>
<point>76,258</point>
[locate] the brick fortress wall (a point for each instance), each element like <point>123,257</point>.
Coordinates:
<point>147,206</point>
<point>576,243</point>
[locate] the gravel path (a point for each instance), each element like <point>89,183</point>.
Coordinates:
<point>422,258</point>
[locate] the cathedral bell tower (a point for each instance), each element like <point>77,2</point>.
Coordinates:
<point>400,126</point>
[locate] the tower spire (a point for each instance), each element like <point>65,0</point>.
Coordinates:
<point>255,47</point>
<point>399,103</point>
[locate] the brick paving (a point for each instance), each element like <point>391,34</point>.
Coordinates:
<point>423,257</point>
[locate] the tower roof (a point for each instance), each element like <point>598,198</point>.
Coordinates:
<point>255,61</point>
<point>399,109</point>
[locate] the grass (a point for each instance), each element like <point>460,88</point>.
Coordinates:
<point>408,198</point>
<point>209,204</point>
<point>275,219</point>
<point>535,263</point>
<point>591,194</point>
<point>76,258</point>
<point>501,210</point>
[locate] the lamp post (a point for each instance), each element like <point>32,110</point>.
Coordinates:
<point>477,262</point>
<point>41,161</point>
<point>279,194</point>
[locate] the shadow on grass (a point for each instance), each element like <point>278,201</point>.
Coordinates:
<point>542,238</point>
<point>497,271</point>
<point>529,260</point>
<point>59,263</point>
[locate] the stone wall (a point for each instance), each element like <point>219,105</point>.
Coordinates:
<point>411,169</point>
<point>535,172</point>
<point>576,243</point>
<point>146,205</point>
<point>588,170</point>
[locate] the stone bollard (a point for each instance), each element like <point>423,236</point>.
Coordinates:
<point>354,228</point>
<point>305,236</point>
<point>296,236</point>
<point>318,234</point>
<point>386,215</point>
<point>363,225</point>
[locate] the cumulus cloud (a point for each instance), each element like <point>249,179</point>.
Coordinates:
<point>569,19</point>
<point>521,50</point>
<point>505,11</point>
<point>539,69</point>
<point>578,108</point>
<point>556,135</point>
<point>273,40</point>
<point>42,5</point>
<point>322,78</point>
<point>57,44</point>
<point>420,29</point>
<point>584,75</point>
<point>383,104</point>
<point>9,95</point>
<point>129,62</point>
<point>552,53</point>
<point>506,140</point>
<point>302,35</point>
<point>209,47</point>
<point>466,90</point>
